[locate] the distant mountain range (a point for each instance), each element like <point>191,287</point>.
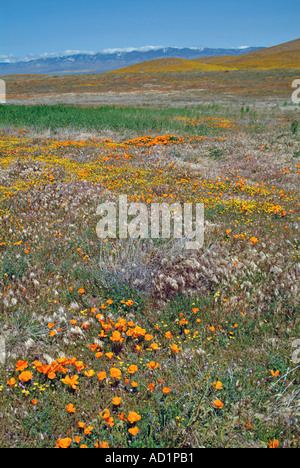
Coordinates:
<point>102,62</point>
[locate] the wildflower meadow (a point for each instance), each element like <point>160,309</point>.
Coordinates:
<point>140,342</point>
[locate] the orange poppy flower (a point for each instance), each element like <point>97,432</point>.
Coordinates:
<point>105,413</point>
<point>11,382</point>
<point>110,422</point>
<point>63,443</point>
<point>93,347</point>
<point>25,376</point>
<point>116,336</point>
<point>218,404</point>
<point>101,376</point>
<point>133,417</point>
<point>175,349</point>
<point>153,365</point>
<point>88,430</point>
<point>134,431</point>
<point>71,381</point>
<point>148,337</point>
<point>117,401</point>
<point>101,444</point>
<point>166,390</point>
<point>70,408</point>
<point>217,385</point>
<point>115,373</point>
<point>37,363</point>
<point>132,369</point>
<point>79,365</point>
<point>21,365</point>
<point>154,346</point>
<point>273,443</point>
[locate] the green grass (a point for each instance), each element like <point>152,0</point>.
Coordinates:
<point>139,120</point>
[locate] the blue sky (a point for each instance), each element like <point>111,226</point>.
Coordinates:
<point>37,26</point>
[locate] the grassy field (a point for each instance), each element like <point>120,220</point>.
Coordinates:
<point>125,119</point>
<point>159,89</point>
<point>142,343</point>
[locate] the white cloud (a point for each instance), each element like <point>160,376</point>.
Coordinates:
<point>131,49</point>
<point>8,58</point>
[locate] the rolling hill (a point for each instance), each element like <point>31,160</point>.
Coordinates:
<point>169,65</point>
<point>285,55</point>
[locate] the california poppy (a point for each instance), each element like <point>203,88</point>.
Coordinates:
<point>153,365</point>
<point>101,376</point>
<point>21,365</point>
<point>133,417</point>
<point>217,385</point>
<point>70,408</point>
<point>134,431</point>
<point>25,376</point>
<point>117,401</point>
<point>63,443</point>
<point>132,369</point>
<point>218,404</point>
<point>115,373</point>
<point>273,443</point>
